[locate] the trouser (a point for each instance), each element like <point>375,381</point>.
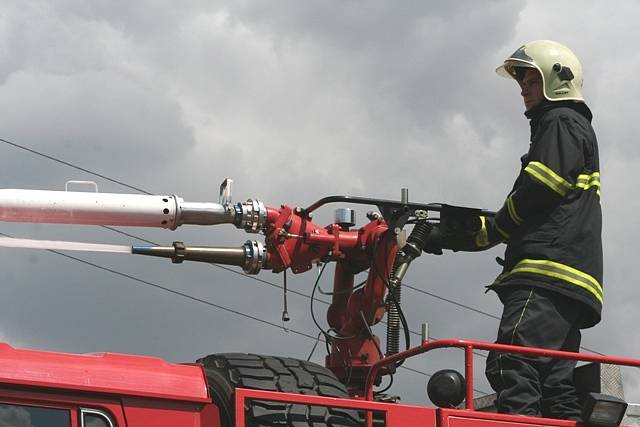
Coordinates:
<point>537,386</point>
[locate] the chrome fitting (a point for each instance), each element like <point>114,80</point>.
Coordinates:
<point>253,215</point>
<point>254,256</point>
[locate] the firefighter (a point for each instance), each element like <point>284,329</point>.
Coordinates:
<point>551,284</point>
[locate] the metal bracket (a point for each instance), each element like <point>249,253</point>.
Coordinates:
<point>225,192</point>
<point>180,250</point>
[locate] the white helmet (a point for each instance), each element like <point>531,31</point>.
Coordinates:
<point>559,67</point>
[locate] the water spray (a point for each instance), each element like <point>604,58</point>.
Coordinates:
<point>59,245</point>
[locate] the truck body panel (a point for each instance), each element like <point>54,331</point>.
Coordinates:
<point>106,373</point>
<point>141,412</point>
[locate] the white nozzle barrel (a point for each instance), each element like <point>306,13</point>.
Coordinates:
<point>67,207</point>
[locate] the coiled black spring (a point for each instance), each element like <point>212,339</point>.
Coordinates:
<point>393,316</point>
<point>420,233</point>
<point>416,242</point>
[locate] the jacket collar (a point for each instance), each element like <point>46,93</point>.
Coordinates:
<point>536,113</point>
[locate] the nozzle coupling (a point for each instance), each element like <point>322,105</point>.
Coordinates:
<point>250,256</point>
<point>250,216</point>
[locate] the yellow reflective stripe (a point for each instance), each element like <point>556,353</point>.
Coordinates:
<point>548,177</point>
<point>560,185</point>
<point>593,176</point>
<point>593,179</point>
<point>586,186</point>
<point>588,181</point>
<point>560,271</point>
<point>482,237</point>
<point>566,268</point>
<point>512,211</point>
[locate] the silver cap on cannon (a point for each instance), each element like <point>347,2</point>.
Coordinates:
<point>344,217</point>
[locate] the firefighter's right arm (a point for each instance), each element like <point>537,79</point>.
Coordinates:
<point>551,172</point>
<point>553,164</point>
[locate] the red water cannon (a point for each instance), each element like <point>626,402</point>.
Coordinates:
<point>292,242</point>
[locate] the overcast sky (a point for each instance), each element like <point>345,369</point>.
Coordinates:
<point>295,101</point>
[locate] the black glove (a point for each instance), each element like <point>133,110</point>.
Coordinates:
<point>485,236</point>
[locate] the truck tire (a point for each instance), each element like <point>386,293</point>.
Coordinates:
<point>227,371</point>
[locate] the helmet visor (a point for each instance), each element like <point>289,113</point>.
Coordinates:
<point>508,69</point>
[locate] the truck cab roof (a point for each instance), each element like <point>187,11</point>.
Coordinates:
<point>108,373</point>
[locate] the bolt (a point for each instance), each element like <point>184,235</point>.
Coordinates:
<point>372,216</point>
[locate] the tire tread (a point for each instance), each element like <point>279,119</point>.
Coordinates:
<point>276,374</point>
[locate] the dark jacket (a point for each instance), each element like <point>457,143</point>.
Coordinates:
<point>551,220</point>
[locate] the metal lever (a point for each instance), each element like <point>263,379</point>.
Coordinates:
<point>225,192</point>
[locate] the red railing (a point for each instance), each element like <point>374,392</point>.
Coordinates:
<point>395,415</point>
<point>469,346</point>
<point>409,415</point>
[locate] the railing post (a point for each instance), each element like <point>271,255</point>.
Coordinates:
<point>468,374</point>
<point>239,407</point>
